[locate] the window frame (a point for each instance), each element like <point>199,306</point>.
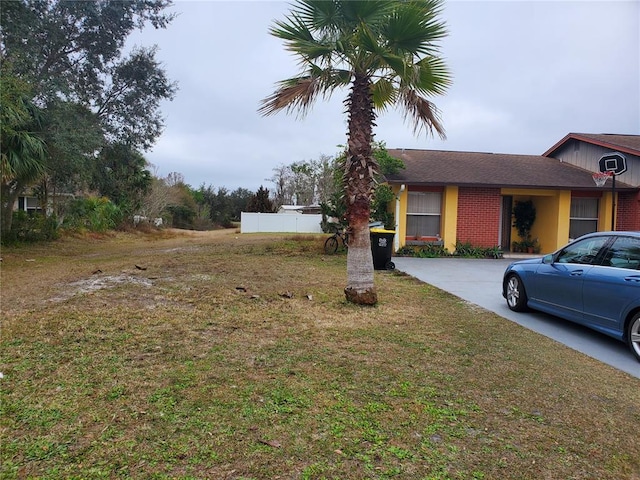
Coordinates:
<point>573,219</point>
<point>432,214</point>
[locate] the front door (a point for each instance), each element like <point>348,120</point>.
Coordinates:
<point>505,228</point>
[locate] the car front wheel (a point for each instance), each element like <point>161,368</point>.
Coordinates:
<point>633,335</point>
<point>516,295</point>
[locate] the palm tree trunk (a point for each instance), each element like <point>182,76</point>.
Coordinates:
<point>360,168</point>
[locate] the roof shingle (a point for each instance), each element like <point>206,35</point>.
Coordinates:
<point>438,167</point>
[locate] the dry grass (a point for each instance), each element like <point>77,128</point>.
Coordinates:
<point>227,356</point>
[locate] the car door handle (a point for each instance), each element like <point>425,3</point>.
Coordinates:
<point>577,273</point>
<point>632,278</point>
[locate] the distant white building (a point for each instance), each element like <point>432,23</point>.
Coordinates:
<point>291,209</point>
<point>298,209</point>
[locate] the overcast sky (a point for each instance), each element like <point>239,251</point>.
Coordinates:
<point>525,74</point>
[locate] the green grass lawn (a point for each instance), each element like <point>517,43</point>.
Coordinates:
<point>227,356</point>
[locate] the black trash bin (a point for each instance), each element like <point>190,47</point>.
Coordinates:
<point>382,248</point>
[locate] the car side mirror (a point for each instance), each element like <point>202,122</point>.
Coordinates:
<point>548,259</point>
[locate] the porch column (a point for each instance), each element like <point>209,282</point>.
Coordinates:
<point>449,219</point>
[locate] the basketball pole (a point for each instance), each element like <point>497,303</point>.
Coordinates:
<point>613,201</point>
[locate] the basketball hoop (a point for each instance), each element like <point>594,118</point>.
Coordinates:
<point>601,178</point>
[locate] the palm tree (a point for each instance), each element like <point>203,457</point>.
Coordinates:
<point>22,152</point>
<point>386,52</point>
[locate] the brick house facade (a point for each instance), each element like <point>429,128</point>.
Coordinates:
<point>478,213</point>
<point>446,197</point>
<point>629,211</point>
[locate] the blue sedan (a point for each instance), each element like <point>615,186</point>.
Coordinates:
<point>593,281</point>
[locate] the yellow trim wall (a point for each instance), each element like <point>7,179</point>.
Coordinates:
<point>449,219</point>
<point>551,227</point>
<point>604,214</point>
<point>401,222</point>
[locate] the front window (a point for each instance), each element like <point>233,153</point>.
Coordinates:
<point>423,214</point>
<point>29,204</point>
<point>583,218</point>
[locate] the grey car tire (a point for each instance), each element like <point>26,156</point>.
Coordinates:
<point>633,335</point>
<point>516,294</point>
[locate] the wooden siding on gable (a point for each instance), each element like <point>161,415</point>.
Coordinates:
<point>586,156</point>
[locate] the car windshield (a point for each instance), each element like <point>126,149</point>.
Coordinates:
<point>582,251</point>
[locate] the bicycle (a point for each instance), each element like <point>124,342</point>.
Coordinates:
<point>331,244</point>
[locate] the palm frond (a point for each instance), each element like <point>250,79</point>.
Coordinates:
<point>370,12</point>
<point>292,94</point>
<point>400,66</point>
<point>394,44</point>
<point>299,93</point>
<point>293,29</point>
<point>320,14</point>
<point>422,112</point>
<point>433,77</point>
<point>299,39</point>
<point>384,93</point>
<point>23,156</point>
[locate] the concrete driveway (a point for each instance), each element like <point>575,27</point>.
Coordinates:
<point>479,281</point>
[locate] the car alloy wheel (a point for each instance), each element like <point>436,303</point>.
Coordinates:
<point>516,295</point>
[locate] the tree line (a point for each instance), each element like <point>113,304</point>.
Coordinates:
<point>316,182</point>
<point>77,113</point>
<point>77,110</point>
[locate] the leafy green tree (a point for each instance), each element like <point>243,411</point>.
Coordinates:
<point>183,208</point>
<point>335,207</point>
<point>239,199</point>
<point>73,134</point>
<point>388,165</point>
<point>219,205</point>
<point>129,106</point>
<point>71,53</point>
<point>66,47</point>
<point>182,216</point>
<point>22,157</point>
<point>261,202</point>
<point>121,175</point>
<point>223,207</point>
<point>74,50</point>
<point>386,52</point>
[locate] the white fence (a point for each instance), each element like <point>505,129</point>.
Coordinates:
<point>278,222</point>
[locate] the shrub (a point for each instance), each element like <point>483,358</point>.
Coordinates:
<point>467,250</point>
<point>424,251</point>
<point>31,227</point>
<point>463,249</point>
<point>93,214</point>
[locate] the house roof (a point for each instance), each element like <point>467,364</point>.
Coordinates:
<point>438,167</point>
<point>623,143</point>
